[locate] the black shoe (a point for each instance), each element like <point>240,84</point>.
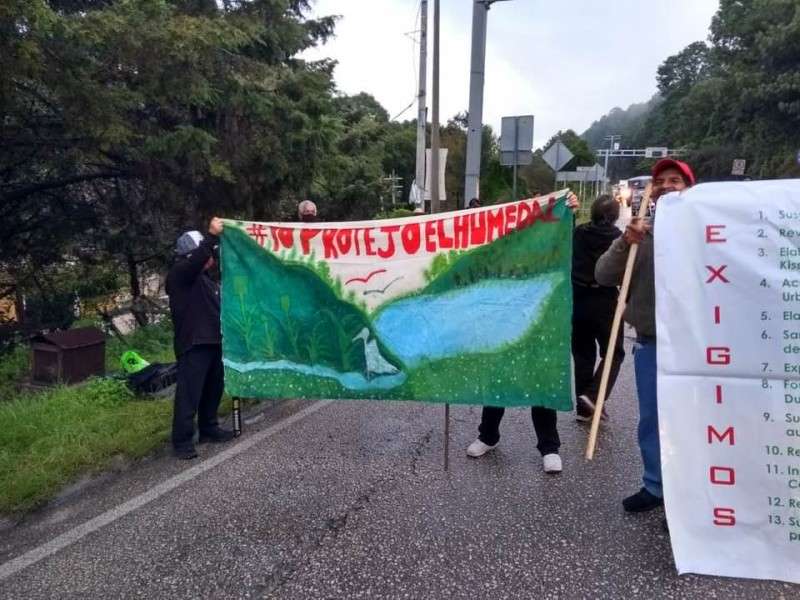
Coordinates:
<point>584,410</point>
<point>216,436</point>
<point>185,452</point>
<point>582,415</point>
<point>642,501</point>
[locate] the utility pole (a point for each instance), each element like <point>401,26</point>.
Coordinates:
<point>394,186</point>
<point>611,139</point>
<point>434,178</point>
<point>480,10</point>
<point>422,107</point>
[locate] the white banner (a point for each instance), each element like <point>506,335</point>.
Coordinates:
<point>728,316</point>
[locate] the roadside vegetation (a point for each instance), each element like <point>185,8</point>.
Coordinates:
<point>50,438</point>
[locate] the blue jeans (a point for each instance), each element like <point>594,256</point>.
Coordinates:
<point>644,361</point>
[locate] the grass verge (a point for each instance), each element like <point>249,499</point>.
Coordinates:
<point>50,439</point>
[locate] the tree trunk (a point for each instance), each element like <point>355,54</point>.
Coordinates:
<point>136,291</point>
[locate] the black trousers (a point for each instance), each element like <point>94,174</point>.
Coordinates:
<point>545,423</point>
<point>201,380</point>
<point>592,319</point>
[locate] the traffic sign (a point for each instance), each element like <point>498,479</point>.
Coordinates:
<point>557,156</point>
<point>516,133</point>
<point>656,152</point>
<point>739,165</point>
<point>521,157</point>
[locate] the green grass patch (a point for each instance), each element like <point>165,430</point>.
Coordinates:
<point>50,439</point>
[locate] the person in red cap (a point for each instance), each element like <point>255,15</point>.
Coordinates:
<point>668,176</point>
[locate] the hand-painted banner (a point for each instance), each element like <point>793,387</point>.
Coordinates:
<point>727,297</point>
<point>467,307</point>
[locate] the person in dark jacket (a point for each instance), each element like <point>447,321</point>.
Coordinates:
<point>195,308</point>
<point>593,307</point>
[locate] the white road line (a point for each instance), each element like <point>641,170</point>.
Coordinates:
<point>16,565</point>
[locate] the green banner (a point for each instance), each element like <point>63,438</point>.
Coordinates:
<point>470,307</point>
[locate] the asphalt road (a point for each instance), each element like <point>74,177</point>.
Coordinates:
<point>350,500</point>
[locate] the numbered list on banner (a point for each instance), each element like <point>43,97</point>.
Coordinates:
<point>728,323</point>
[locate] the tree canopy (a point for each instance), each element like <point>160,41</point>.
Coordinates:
<point>126,122</point>
<point>737,96</point>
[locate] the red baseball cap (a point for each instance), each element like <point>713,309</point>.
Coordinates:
<point>670,163</point>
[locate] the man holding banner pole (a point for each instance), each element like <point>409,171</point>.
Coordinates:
<point>194,304</point>
<point>668,176</point>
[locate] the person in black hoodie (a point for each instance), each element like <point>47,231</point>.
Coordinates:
<point>195,309</point>
<point>593,307</point>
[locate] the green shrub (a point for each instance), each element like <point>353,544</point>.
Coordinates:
<point>13,367</point>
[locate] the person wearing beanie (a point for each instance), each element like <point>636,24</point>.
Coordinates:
<point>195,309</point>
<point>668,176</point>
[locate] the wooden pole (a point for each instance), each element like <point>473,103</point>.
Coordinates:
<point>615,327</point>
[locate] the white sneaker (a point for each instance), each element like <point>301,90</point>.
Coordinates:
<point>552,463</point>
<point>478,448</point>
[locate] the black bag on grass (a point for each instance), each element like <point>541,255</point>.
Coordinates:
<point>155,380</point>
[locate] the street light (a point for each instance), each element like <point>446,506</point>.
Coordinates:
<point>472,170</point>
<point>611,139</point>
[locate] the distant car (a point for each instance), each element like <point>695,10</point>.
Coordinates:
<point>637,186</point>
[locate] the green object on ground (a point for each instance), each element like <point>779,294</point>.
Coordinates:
<point>131,362</point>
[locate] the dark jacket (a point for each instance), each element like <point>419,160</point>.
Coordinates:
<point>589,242</point>
<point>194,299</point>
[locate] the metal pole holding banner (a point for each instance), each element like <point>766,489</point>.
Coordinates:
<point>615,327</point>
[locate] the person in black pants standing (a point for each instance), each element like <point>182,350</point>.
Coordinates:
<point>195,308</point>
<point>545,424</point>
<point>545,420</point>
<point>593,307</point>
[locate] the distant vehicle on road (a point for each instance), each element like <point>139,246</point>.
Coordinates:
<point>636,186</point>
<point>622,192</point>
